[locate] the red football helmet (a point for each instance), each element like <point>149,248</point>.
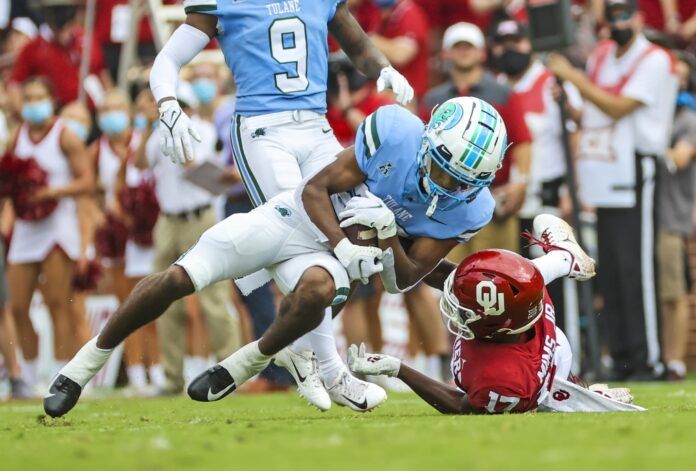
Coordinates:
<point>492,291</point>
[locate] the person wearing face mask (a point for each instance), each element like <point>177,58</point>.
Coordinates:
<point>114,153</point>
<point>630,91</point>
<point>205,86</point>
<point>464,55</point>
<point>537,89</point>
<point>78,119</point>
<point>48,246</point>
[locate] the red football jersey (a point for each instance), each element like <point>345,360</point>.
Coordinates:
<point>508,377</point>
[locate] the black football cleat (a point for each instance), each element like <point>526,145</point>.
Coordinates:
<point>211,385</point>
<point>62,396</point>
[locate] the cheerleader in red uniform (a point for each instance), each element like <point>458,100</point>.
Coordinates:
<point>46,240</point>
<point>125,241</point>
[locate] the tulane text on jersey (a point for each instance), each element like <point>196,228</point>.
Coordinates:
<point>276,50</point>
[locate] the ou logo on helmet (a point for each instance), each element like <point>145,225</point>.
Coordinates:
<point>487,296</point>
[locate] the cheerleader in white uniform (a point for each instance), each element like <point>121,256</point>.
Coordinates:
<point>48,246</point>
<point>118,143</point>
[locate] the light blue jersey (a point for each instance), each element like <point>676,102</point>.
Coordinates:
<point>386,149</point>
<point>276,50</point>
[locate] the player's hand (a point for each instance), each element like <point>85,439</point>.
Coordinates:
<point>390,78</point>
<point>618,394</point>
<point>369,211</point>
<point>360,262</point>
<point>372,363</point>
<point>176,131</point>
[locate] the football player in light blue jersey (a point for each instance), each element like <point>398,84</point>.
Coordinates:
<point>278,54</point>
<point>426,184</point>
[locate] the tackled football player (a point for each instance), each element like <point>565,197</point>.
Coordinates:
<point>427,184</point>
<point>509,356</point>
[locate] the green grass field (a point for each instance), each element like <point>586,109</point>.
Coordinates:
<point>279,431</point>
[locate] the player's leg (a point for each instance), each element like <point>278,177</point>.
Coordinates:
<point>300,311</point>
<point>237,246</point>
<point>265,159</point>
<point>342,387</point>
<point>564,256</point>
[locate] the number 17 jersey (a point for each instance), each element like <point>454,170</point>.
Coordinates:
<point>276,50</point>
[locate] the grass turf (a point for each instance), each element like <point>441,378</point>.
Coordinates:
<point>279,431</point>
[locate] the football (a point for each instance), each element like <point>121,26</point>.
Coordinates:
<point>361,235</point>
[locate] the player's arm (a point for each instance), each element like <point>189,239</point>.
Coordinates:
<point>441,396</point>
<point>341,175</point>
<point>366,56</point>
<point>436,278</point>
<point>185,43</point>
<point>403,269</point>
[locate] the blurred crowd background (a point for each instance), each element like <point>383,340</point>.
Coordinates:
<point>99,207</point>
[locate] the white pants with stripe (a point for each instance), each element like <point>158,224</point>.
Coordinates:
<point>273,236</point>
<point>275,151</point>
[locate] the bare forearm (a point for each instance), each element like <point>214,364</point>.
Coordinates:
<point>444,398</point>
<point>317,204</point>
<point>398,51</point>
<point>347,31</point>
<point>436,278</point>
<point>614,106</point>
<point>80,186</point>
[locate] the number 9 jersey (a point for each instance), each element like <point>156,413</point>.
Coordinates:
<point>276,50</point>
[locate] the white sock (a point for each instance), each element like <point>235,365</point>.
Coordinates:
<point>324,346</point>
<point>157,375</point>
<point>87,363</point>
<point>136,376</point>
<point>30,371</point>
<point>554,264</point>
<point>677,366</point>
<point>245,362</point>
<point>57,366</point>
<point>302,344</point>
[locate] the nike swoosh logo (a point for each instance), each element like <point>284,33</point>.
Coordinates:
<point>299,376</point>
<point>49,395</point>
<point>326,131</point>
<point>215,396</point>
<point>360,405</point>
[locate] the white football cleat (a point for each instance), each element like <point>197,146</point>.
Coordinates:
<point>556,234</point>
<point>361,396</point>
<point>304,369</point>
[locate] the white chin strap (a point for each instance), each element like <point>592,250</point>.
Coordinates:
<point>433,206</point>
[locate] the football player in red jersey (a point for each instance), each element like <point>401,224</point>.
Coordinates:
<point>509,356</point>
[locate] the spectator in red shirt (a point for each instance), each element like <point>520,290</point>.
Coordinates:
<point>351,98</point>
<point>55,55</point>
<point>402,36</point>
<point>671,16</point>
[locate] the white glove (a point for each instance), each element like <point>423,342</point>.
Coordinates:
<point>618,394</point>
<point>176,131</point>
<point>390,78</point>
<point>369,211</point>
<point>372,363</point>
<point>360,262</point>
